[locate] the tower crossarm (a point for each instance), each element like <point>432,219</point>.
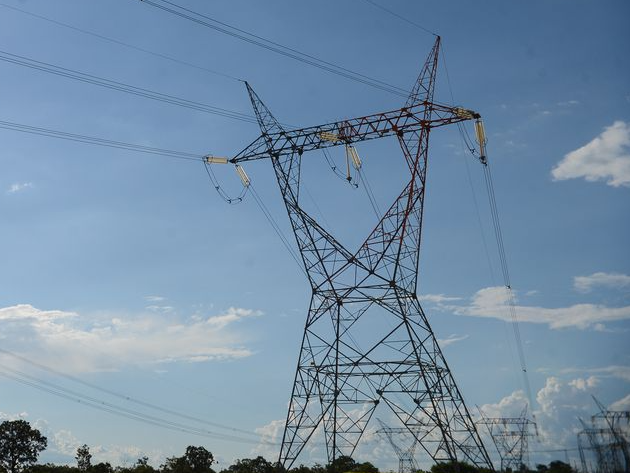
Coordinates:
<point>505,421</point>
<point>344,132</point>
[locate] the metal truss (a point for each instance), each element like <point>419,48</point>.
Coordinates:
<point>367,342</point>
<point>607,439</point>
<point>511,439</point>
<point>406,455</point>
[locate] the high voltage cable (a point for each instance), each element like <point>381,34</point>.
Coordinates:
<point>99,404</point>
<point>93,140</point>
<point>508,285</point>
<point>124,396</point>
<point>263,208</point>
<point>121,43</point>
<point>400,17</point>
<point>496,225</point>
<point>467,145</point>
<point>122,87</point>
<point>69,394</point>
<point>273,46</point>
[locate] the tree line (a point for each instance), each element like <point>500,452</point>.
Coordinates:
<point>20,446</point>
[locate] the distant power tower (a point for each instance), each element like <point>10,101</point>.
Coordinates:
<point>511,439</point>
<point>607,440</point>
<point>367,340</point>
<point>406,455</point>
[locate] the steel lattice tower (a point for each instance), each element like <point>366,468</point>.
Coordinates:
<point>511,439</point>
<point>347,366</point>
<point>607,439</point>
<point>406,456</point>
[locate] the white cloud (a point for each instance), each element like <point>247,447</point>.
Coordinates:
<point>160,308</point>
<point>437,298</point>
<point>63,444</point>
<point>583,384</point>
<point>614,280</point>
<point>558,405</point>
<point>509,406</point>
<point>30,313</point>
<point>270,437</point>
<point>568,103</point>
<point>492,302</point>
<point>88,342</point>
<point>605,158</point>
<point>453,338</point>
<point>613,371</point>
<point>154,298</point>
<point>4,416</point>
<point>19,187</point>
<point>622,404</point>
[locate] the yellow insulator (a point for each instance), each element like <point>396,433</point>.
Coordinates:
<point>351,151</point>
<point>328,136</point>
<point>481,137</point>
<point>244,178</point>
<point>216,160</point>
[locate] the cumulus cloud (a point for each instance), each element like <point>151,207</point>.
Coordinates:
<point>509,406</point>
<point>492,302</point>
<point>558,405</point>
<point>613,280</point>
<point>63,444</point>
<point>87,342</point>
<point>19,187</point>
<point>5,416</point>
<point>605,158</point>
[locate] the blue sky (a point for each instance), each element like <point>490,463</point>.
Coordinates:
<point>129,272</point>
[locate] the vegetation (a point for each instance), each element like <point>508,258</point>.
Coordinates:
<point>20,446</point>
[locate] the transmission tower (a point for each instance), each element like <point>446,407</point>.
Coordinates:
<point>367,340</point>
<point>406,456</point>
<point>511,439</point>
<point>607,439</point>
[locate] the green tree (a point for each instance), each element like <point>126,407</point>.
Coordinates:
<point>558,466</point>
<point>195,460</point>
<point>343,464</point>
<point>50,468</point>
<point>84,458</point>
<point>142,466</point>
<point>316,468</point>
<point>103,467</point>
<point>256,465</point>
<point>366,467</point>
<point>20,445</point>
<point>457,467</point>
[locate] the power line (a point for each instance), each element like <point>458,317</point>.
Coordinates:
<point>93,140</point>
<point>124,397</point>
<point>276,228</point>
<point>466,144</point>
<point>400,17</point>
<point>121,43</point>
<point>273,46</point>
<point>132,414</point>
<point>508,285</point>
<point>122,87</point>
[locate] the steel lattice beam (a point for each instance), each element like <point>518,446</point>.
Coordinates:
<point>511,439</point>
<point>347,366</point>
